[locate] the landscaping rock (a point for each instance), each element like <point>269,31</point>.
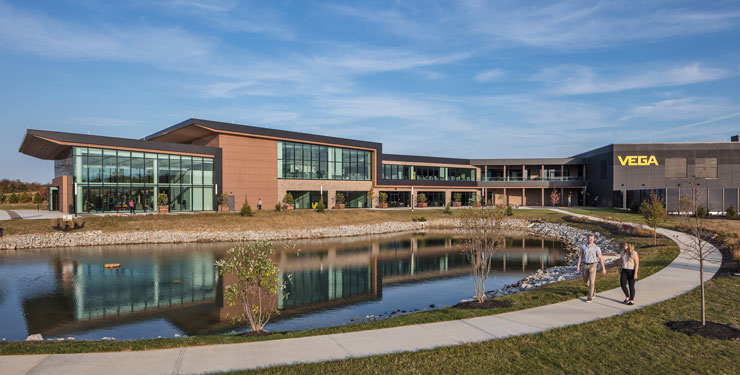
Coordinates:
<point>35,337</point>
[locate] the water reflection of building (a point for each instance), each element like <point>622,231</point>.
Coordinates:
<point>89,295</point>
<point>186,290</point>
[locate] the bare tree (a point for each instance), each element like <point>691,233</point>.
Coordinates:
<point>698,248</point>
<point>486,236</point>
<point>555,197</point>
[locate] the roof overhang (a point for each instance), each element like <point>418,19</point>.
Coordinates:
<point>52,145</point>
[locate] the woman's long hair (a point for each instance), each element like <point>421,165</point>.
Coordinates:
<point>630,249</point>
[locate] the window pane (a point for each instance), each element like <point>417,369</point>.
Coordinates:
<point>124,167</point>
<point>109,166</point>
<point>197,199</point>
<point>208,173</point>
<point>208,198</point>
<point>198,171</point>
<point>164,169</point>
<point>175,172</point>
<point>186,168</point>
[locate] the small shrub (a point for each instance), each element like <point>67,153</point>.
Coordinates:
<point>702,212</point>
<point>320,207</point>
<point>639,231</point>
<point>421,198</point>
<point>13,198</point>
<point>288,198</point>
<point>509,211</point>
<point>447,209</point>
<point>257,283</point>
<point>25,198</point>
<point>162,199</point>
<point>278,207</point>
<point>418,219</point>
<point>339,197</point>
<point>731,213</point>
<point>635,207</point>
<point>457,197</point>
<point>383,197</point>
<point>38,199</point>
<point>2,198</point>
<point>246,208</point>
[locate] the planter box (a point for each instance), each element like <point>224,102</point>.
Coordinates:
<point>456,204</point>
<point>164,209</point>
<point>224,208</point>
<point>339,206</point>
<point>289,206</point>
<point>421,204</point>
<point>383,205</point>
<point>476,205</point>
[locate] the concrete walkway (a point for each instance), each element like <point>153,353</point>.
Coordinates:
<point>679,277</point>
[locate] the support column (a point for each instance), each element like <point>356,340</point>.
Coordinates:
<point>624,199</point>
<point>485,173</point>
<point>506,198</point>
<point>543,197</point>
<point>542,176</point>
<point>524,197</point>
<point>524,172</point>
<point>506,177</point>
<point>562,171</point>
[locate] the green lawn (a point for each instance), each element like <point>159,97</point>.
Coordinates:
<point>652,260</point>
<point>634,343</point>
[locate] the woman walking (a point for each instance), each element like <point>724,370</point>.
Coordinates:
<point>630,265</point>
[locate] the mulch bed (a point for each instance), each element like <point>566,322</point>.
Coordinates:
<point>711,330</point>
<point>487,304</point>
<point>256,333</point>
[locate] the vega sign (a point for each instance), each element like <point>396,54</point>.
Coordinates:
<point>633,160</point>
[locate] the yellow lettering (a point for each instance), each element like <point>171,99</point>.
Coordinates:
<point>632,160</point>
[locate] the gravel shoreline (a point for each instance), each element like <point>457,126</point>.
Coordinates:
<point>100,238</point>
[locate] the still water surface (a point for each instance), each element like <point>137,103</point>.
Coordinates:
<point>163,290</point>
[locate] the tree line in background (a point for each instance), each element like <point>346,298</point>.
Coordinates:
<point>17,191</point>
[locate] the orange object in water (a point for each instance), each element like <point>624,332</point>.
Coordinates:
<point>113,265</point>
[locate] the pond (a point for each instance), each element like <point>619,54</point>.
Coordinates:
<point>168,290</point>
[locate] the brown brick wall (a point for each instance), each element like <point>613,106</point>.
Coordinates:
<point>66,192</point>
<point>249,168</point>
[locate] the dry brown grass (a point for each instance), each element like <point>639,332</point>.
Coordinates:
<point>262,220</point>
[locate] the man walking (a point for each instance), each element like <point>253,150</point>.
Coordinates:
<point>590,256</point>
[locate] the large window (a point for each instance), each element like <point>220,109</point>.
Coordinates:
<point>705,168</point>
<point>303,161</point>
<point>108,180</point>
<point>411,172</point>
<point>675,168</point>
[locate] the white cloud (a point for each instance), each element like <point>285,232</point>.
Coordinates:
<point>578,79</point>
<point>142,43</point>
<point>585,24</point>
<point>680,109</point>
<point>489,75</point>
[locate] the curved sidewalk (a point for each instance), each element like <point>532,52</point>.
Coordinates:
<point>675,279</point>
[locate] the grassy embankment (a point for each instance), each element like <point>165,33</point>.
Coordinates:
<point>653,259</point>
<point>262,220</point>
<point>634,343</point>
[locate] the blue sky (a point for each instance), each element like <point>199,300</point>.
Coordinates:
<point>459,79</point>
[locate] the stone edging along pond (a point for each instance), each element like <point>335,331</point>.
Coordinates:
<point>564,233</point>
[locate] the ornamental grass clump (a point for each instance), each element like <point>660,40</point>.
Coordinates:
<point>257,282</point>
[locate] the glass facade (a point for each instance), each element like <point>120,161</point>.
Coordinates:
<point>302,161</point>
<point>411,172</point>
<point>107,180</point>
